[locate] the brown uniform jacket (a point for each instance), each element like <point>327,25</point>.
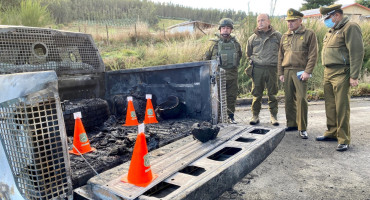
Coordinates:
<point>343,45</point>
<point>298,50</point>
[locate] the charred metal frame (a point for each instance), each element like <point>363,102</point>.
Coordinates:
<point>73,56</point>
<point>194,83</point>
<point>33,136</point>
<point>27,49</point>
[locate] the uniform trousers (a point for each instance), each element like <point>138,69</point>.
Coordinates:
<point>296,106</point>
<point>231,94</point>
<point>337,97</point>
<point>264,77</point>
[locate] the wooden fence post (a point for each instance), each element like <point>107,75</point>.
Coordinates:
<point>164,32</point>
<point>135,35</point>
<point>106,27</point>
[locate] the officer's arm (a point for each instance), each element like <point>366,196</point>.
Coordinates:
<point>280,58</point>
<point>240,51</point>
<point>312,54</point>
<point>209,53</point>
<point>278,35</point>
<point>355,46</point>
<point>249,49</point>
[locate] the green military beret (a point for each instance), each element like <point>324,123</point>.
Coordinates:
<point>293,14</point>
<point>327,11</point>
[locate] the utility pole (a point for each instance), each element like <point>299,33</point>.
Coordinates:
<point>272,7</point>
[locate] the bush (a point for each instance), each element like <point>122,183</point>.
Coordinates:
<point>30,13</point>
<point>365,27</point>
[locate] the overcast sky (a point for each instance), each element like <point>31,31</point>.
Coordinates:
<point>255,6</point>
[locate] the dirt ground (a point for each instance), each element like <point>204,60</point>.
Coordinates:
<point>307,169</point>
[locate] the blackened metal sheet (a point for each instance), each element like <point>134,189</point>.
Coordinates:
<point>191,82</point>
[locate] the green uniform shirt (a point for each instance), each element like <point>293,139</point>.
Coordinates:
<point>263,47</point>
<point>343,45</point>
<point>298,50</point>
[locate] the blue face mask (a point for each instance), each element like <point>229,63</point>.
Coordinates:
<point>329,23</point>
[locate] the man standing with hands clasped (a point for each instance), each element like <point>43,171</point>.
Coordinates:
<point>262,53</point>
<point>342,56</point>
<point>297,59</point>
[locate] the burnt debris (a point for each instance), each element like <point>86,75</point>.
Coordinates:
<point>114,144</point>
<point>204,131</point>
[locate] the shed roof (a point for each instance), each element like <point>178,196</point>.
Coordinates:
<point>316,12</point>
<point>191,22</point>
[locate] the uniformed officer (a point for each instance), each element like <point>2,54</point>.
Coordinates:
<point>262,53</point>
<point>229,52</point>
<point>342,56</point>
<point>297,59</point>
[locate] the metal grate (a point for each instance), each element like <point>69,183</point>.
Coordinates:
<point>35,148</point>
<point>25,49</point>
<point>223,103</point>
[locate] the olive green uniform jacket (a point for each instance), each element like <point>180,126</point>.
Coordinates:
<point>262,49</point>
<point>343,45</point>
<point>342,56</point>
<point>298,51</point>
<point>231,73</point>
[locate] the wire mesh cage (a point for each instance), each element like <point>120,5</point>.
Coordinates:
<point>27,49</point>
<point>33,136</point>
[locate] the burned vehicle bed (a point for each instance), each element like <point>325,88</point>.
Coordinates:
<point>78,82</point>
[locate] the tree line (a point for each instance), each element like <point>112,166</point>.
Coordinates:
<point>65,11</point>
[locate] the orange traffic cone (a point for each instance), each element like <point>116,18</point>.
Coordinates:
<point>149,111</point>
<point>131,119</point>
<point>81,143</point>
<point>140,173</point>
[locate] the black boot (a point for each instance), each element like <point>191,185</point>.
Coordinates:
<point>231,118</point>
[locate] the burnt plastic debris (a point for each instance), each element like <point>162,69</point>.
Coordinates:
<point>204,131</point>
<point>171,109</point>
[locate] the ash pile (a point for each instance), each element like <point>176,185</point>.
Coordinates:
<point>114,142</point>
